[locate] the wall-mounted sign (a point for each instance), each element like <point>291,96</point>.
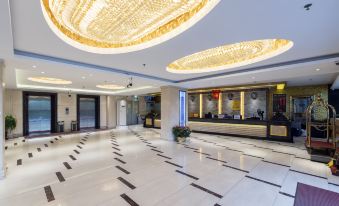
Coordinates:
<point>182,108</point>
<point>236,105</point>
<point>279,102</point>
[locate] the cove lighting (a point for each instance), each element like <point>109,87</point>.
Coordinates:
<point>49,80</point>
<point>230,56</point>
<point>110,86</point>
<point>119,26</point>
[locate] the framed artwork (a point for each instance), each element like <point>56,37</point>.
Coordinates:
<point>279,102</point>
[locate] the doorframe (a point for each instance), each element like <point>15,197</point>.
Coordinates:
<point>54,109</point>
<point>97,109</point>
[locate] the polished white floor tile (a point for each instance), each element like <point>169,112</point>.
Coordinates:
<point>217,164</point>
<point>257,193</point>
<point>271,173</point>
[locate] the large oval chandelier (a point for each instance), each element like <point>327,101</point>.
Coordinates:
<point>49,80</point>
<point>119,26</point>
<point>230,56</point>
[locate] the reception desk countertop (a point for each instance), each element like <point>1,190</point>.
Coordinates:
<point>233,121</point>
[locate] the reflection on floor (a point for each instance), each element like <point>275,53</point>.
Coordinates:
<point>135,167</point>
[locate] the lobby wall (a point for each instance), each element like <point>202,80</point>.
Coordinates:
<point>297,91</point>
<point>13,105</point>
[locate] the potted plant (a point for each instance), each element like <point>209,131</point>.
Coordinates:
<point>10,125</point>
<point>181,133</point>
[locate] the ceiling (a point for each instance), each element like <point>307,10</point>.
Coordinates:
<point>28,42</point>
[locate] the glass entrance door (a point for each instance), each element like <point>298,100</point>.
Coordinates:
<point>39,114</point>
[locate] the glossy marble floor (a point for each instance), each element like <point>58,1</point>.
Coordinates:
<point>133,166</point>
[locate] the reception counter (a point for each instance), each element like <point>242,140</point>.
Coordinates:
<point>259,129</point>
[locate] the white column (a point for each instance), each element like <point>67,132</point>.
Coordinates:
<point>111,112</point>
<point>2,124</point>
<point>169,110</point>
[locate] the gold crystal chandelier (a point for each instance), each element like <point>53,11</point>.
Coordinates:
<point>49,80</point>
<point>118,26</point>
<point>110,86</point>
<point>230,56</point>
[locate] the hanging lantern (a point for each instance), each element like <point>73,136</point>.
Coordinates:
<point>215,94</point>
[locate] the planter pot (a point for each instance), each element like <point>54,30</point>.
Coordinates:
<point>181,139</point>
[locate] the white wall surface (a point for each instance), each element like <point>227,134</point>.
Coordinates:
<point>13,105</point>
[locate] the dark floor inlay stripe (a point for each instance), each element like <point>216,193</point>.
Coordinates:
<point>23,140</point>
<point>67,165</point>
<point>56,138</point>
<point>122,169</point>
<point>173,164</point>
<point>207,190</point>
<point>19,162</point>
<point>39,149</point>
<point>201,153</point>
<point>253,156</point>
<point>49,193</point>
<point>30,155</point>
<point>276,163</point>
<point>157,150</point>
<point>46,145</point>
<point>216,159</point>
<point>76,151</point>
<point>164,156</point>
<point>6,148</point>
<point>188,175</point>
<point>331,183</point>
<point>116,148</point>
<point>286,194</point>
<point>128,200</point>
<point>118,154</point>
<point>263,181</point>
<point>216,204</point>
<point>79,146</point>
<point>283,153</point>
<point>151,146</point>
<point>72,157</point>
<point>15,144</point>
<point>191,148</point>
<point>128,184</point>
<point>236,168</point>
<point>307,174</point>
<point>51,142</point>
<point>115,144</point>
<point>119,160</point>
<point>81,143</point>
<point>234,150</point>
<point>60,177</point>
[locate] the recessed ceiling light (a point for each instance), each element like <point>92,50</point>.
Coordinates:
<point>49,80</point>
<point>83,77</point>
<point>110,86</point>
<point>34,66</point>
<point>109,26</point>
<point>230,56</point>
<point>42,72</point>
<point>317,69</point>
<point>253,77</point>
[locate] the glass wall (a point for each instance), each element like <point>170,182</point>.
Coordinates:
<point>87,112</point>
<point>39,114</point>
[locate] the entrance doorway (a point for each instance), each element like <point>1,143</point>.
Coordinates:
<point>39,112</point>
<point>88,112</point>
